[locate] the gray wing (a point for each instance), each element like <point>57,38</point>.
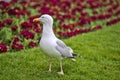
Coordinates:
<point>63,49</point>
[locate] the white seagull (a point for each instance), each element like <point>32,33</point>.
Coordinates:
<point>51,45</point>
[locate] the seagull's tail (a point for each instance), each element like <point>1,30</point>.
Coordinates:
<point>74,55</point>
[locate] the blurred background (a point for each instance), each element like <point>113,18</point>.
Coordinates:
<point>71,17</point>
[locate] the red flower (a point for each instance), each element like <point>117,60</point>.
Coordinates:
<point>104,0</point>
<point>83,21</point>
<point>4,4</point>
<point>15,39</point>
<point>27,12</point>
<point>26,25</point>
<point>32,44</point>
<point>12,12</point>
<point>103,16</point>
<point>44,10</point>
<point>107,15</point>
<point>3,47</point>
<point>27,34</point>
<point>14,28</point>
<point>17,46</point>
<point>113,21</point>
<point>85,14</point>
<point>71,26</point>
<point>36,6</point>
<point>65,5</point>
<point>115,6</point>
<point>97,27</point>
<point>95,12</point>
<point>37,30</point>
<point>94,4</point>
<point>68,34</point>
<point>86,30</point>
<point>60,33</point>
<point>110,10</point>
<point>15,11</point>
<point>77,9</point>
<point>14,1</point>
<point>60,18</point>
<point>1,24</point>
<point>92,18</point>
<point>65,26</point>
<point>9,21</point>
<point>117,13</point>
<point>68,16</point>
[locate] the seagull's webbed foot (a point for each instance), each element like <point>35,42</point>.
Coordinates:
<point>50,70</point>
<point>61,73</point>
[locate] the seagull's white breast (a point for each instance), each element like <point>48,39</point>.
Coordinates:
<point>48,46</point>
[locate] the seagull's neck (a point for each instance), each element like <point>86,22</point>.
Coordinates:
<point>48,31</point>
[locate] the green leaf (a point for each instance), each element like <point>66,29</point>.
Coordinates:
<point>92,24</point>
<point>6,34</point>
<point>26,42</point>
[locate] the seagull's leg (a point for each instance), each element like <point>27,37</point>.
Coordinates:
<point>50,67</point>
<point>61,69</point>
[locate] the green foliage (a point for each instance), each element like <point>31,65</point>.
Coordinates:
<point>6,34</point>
<point>100,59</point>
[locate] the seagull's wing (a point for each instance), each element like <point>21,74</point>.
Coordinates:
<point>63,49</point>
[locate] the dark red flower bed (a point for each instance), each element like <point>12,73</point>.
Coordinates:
<point>3,47</point>
<point>71,17</point>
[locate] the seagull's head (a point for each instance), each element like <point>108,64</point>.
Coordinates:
<point>45,19</point>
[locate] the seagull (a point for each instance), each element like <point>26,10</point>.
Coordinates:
<point>51,45</point>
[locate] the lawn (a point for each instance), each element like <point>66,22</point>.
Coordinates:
<point>99,60</point>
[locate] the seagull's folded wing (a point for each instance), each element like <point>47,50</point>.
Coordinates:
<point>63,49</point>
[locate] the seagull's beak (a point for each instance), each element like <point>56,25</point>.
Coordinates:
<point>36,20</point>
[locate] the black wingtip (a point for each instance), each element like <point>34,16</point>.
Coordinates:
<point>75,54</point>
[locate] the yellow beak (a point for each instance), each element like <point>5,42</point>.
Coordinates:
<point>36,20</point>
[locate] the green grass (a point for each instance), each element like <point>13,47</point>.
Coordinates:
<point>100,51</point>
